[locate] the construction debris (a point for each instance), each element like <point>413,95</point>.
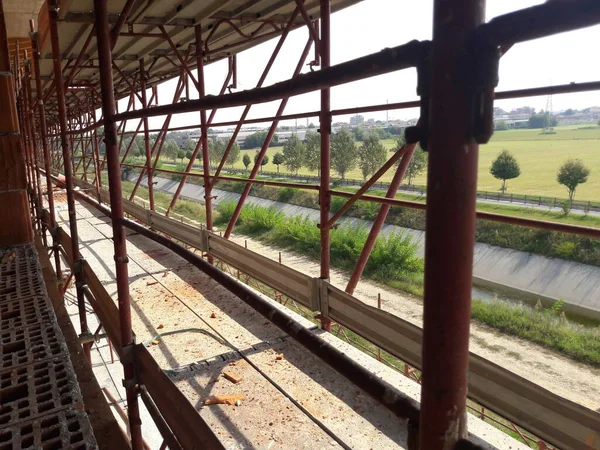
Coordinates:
<point>213,315</point>
<point>234,378</point>
<point>224,399</point>
<point>279,357</point>
<point>151,283</point>
<point>160,327</point>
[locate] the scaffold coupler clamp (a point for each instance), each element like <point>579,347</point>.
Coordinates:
<point>420,132</point>
<point>481,79</point>
<point>122,259</point>
<point>130,358</point>
<point>86,338</point>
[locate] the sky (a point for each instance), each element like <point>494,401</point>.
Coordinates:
<point>372,25</point>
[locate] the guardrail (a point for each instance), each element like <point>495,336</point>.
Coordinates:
<point>560,422</point>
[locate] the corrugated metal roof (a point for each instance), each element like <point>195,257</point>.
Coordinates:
<point>228,26</point>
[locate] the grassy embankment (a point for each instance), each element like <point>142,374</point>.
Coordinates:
<point>394,263</point>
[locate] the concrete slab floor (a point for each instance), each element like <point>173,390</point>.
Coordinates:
<point>295,401</point>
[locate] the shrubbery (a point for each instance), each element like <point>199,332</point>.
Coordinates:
<point>532,240</point>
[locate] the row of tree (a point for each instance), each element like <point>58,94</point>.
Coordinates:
<point>571,173</point>
<point>346,155</point>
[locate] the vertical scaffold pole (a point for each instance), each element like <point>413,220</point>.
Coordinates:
<point>116,206</point>
<point>204,130</point>
<point>68,167</point>
<point>325,130</point>
<point>44,138</point>
<point>450,229</point>
<point>146,135</point>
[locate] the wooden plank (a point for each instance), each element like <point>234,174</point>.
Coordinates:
<point>191,430</point>
<point>178,230</point>
<point>104,306</point>
<point>282,278</point>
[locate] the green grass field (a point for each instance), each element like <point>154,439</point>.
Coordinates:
<point>539,156</point>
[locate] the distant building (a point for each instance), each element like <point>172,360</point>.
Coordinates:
<point>356,120</point>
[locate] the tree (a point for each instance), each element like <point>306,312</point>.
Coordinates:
<point>505,167</point>
<point>500,125</point>
<point>312,154</point>
<point>417,164</point>
<point>293,154</point>
<point>170,149</point>
<point>544,120</point>
<point>571,174</point>
<point>311,125</point>
<point>217,148</point>
<point>189,145</point>
<point>180,155</point>
<point>264,161</point>
<point>234,154</point>
<point>256,140</point>
<point>189,154</point>
<point>246,160</point>
<point>278,160</point>
<point>359,133</point>
<point>371,155</point>
<point>343,152</point>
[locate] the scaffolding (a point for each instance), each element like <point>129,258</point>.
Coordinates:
<point>125,49</point>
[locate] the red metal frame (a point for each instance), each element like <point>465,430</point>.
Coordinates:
<point>67,160</point>
<point>116,200</point>
<point>452,145</point>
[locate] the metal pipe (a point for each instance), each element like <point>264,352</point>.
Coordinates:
<point>259,84</point>
<point>385,61</point>
<point>449,229</point>
<point>370,182</point>
<point>116,30</point>
<point>361,263</point>
<point>203,129</point>
<point>43,126</point>
<point>265,146</point>
<point>145,104</point>
<point>325,164</point>
<point>116,202</point>
<point>196,150</point>
<point>159,420</point>
<point>549,18</point>
<point>34,147</point>
<point>66,153</point>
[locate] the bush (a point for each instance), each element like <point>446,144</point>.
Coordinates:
<point>541,242</point>
<point>565,249</point>
<point>256,219</point>
<point>178,168</point>
<point>286,194</point>
<point>394,256</point>
<point>191,210</point>
<point>542,327</point>
<point>225,210</point>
